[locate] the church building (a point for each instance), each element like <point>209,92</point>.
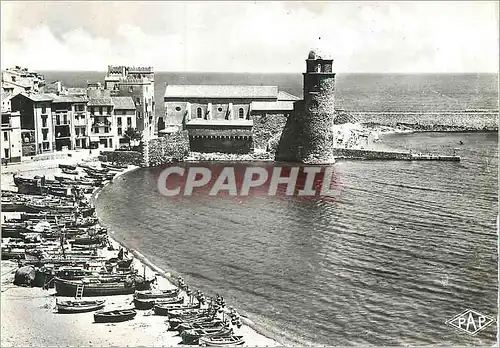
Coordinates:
<point>220,118</point>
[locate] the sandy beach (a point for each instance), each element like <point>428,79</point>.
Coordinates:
<point>29,317</point>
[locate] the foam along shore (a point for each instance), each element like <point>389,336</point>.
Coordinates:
<point>29,317</point>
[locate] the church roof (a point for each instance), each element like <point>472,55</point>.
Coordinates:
<point>282,95</point>
<point>272,106</point>
<point>221,91</point>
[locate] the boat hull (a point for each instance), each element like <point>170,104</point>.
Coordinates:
<point>102,317</point>
<point>79,306</point>
<point>68,288</point>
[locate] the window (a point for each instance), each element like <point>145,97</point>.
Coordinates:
<point>129,121</point>
<point>45,133</point>
<point>106,130</point>
<point>219,109</point>
<point>77,132</point>
<point>5,136</point>
<point>119,120</point>
<point>318,68</point>
<point>199,113</point>
<point>92,109</point>
<point>78,143</point>
<point>241,113</point>
<point>46,145</point>
<point>65,118</point>
<point>44,109</point>
<point>120,131</point>
<point>100,110</point>
<point>109,109</point>
<point>58,120</point>
<point>6,151</point>
<point>177,108</point>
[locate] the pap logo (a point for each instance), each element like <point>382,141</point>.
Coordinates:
<point>470,321</point>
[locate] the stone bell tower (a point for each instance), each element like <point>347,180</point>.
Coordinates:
<point>308,134</point>
<point>319,101</point>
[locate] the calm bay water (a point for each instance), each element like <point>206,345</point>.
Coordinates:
<point>407,246</point>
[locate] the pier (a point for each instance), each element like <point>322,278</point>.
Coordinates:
<point>359,154</point>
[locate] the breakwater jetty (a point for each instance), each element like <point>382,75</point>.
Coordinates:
<point>359,154</point>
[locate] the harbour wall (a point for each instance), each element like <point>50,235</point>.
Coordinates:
<point>358,154</point>
<point>443,121</point>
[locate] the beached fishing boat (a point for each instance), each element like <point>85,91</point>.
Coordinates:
<point>88,240</point>
<point>215,341</point>
<point>115,316</point>
<point>183,313</point>
<point>151,302</point>
<point>216,323</point>
<point>67,166</point>
<point>114,166</point>
<point>79,306</point>
<point>69,171</point>
<point>163,309</point>
<point>173,323</point>
<point>157,293</point>
<point>192,336</point>
<point>95,287</point>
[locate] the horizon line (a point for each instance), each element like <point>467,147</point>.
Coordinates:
<point>287,73</point>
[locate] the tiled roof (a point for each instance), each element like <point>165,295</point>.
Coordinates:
<point>37,97</point>
<point>221,91</point>
<point>203,122</point>
<point>77,90</point>
<point>69,99</point>
<point>123,103</point>
<point>282,95</point>
<point>100,101</point>
<point>273,106</point>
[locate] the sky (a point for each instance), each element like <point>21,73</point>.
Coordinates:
<point>378,37</point>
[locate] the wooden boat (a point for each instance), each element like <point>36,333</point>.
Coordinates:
<point>95,287</point>
<point>115,316</point>
<point>69,171</point>
<point>217,341</point>
<point>163,309</point>
<point>151,302</point>
<point>94,175</point>
<point>67,166</point>
<point>154,294</point>
<point>88,240</point>
<point>175,322</point>
<point>217,323</point>
<point>114,166</point>
<point>179,313</point>
<point>79,306</point>
<point>192,336</point>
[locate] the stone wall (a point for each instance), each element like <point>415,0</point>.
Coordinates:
<point>459,120</point>
<point>265,127</point>
<point>171,147</point>
<point>291,136</point>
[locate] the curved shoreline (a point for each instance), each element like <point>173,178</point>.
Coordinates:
<point>160,272</point>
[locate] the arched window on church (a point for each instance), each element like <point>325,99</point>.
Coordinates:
<point>199,113</point>
<point>241,113</point>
